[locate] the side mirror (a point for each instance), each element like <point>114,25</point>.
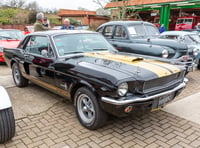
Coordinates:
<point>44,53</point>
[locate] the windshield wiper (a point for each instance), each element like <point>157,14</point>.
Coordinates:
<point>194,40</point>
<point>5,37</point>
<point>73,52</point>
<point>99,49</point>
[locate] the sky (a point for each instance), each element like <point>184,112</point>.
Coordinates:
<point>67,4</point>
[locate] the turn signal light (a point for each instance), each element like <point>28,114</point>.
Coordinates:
<point>128,109</point>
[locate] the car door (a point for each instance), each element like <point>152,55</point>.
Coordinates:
<point>39,57</point>
<point>120,39</point>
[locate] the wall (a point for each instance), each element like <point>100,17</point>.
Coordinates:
<point>20,27</point>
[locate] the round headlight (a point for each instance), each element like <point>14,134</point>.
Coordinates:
<point>195,51</point>
<point>122,89</point>
<point>165,53</point>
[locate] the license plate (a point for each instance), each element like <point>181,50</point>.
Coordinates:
<point>164,99</point>
<point>161,101</point>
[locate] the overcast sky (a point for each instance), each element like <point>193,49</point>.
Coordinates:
<point>67,4</point>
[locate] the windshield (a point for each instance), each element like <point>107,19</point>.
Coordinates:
<point>143,30</point>
<point>191,39</point>
<point>185,21</point>
<point>80,43</point>
<point>11,34</point>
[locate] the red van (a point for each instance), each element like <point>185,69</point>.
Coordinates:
<point>188,22</point>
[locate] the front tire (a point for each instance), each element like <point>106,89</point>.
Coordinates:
<point>88,110</point>
<point>7,125</point>
<point>198,64</point>
<point>19,80</point>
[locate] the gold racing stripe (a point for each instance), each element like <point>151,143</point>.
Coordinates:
<point>171,67</point>
<point>159,68</point>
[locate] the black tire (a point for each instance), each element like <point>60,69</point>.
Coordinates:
<point>19,80</point>
<point>86,104</point>
<point>198,65</point>
<point>7,125</point>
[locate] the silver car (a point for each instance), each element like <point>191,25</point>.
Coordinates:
<point>191,39</point>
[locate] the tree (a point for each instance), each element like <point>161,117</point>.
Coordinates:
<point>16,3</point>
<point>101,2</point>
<point>33,6</point>
<point>124,8</point>
<point>32,17</point>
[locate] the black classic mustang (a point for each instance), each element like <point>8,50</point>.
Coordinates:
<point>84,67</point>
<point>143,38</point>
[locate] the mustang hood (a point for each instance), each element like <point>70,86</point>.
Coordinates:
<point>126,67</point>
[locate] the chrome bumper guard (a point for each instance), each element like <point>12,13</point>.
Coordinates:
<point>124,101</point>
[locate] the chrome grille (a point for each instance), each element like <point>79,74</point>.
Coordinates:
<point>163,83</point>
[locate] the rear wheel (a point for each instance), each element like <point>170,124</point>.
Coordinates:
<point>7,125</point>
<point>19,80</point>
<point>88,110</point>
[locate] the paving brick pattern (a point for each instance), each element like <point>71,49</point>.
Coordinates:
<point>58,127</point>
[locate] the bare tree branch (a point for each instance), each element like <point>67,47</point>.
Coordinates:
<point>15,3</point>
<point>100,2</point>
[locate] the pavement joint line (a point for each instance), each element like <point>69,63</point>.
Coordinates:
<point>40,112</point>
<point>10,87</point>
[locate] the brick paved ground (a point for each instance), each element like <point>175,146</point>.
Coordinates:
<point>58,127</point>
<point>193,85</point>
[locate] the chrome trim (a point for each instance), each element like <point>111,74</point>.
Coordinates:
<point>138,99</point>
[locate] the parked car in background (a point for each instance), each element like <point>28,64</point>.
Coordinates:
<point>172,22</point>
<point>82,27</point>
<point>7,120</point>
<point>191,39</point>
<point>56,27</point>
<point>28,29</point>
<point>143,38</point>
<point>188,22</point>
<point>9,38</point>
<point>83,67</point>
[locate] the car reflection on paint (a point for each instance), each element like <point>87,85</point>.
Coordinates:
<point>83,67</point>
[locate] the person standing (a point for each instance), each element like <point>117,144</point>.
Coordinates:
<point>162,28</point>
<point>66,25</point>
<point>46,22</point>
<point>38,26</point>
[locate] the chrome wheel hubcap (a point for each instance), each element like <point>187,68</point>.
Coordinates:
<point>16,74</point>
<point>85,108</point>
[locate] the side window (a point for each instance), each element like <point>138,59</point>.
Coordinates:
<point>120,32</point>
<point>37,45</point>
<point>100,30</point>
<point>108,31</point>
<point>188,21</point>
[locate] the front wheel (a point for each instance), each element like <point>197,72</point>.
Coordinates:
<point>88,110</point>
<point>198,64</point>
<point>7,125</point>
<point>19,80</point>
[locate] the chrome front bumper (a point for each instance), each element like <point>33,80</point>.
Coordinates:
<point>125,101</point>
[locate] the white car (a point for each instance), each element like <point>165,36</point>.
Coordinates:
<point>7,120</point>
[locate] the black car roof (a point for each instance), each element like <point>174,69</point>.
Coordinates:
<point>56,32</point>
